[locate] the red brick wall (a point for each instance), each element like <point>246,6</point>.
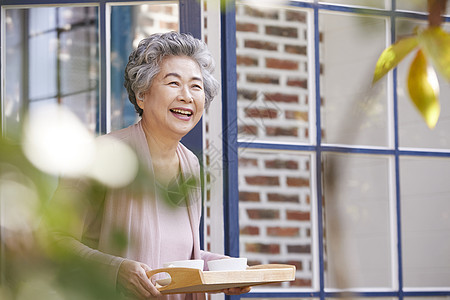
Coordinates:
<point>274,187</point>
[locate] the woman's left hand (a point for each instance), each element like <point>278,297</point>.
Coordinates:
<point>237,290</point>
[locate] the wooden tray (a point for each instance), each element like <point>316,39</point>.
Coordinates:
<point>185,280</point>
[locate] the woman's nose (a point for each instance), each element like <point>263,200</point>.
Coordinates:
<point>185,95</point>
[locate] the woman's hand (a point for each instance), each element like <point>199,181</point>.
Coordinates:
<point>133,281</point>
<point>237,290</point>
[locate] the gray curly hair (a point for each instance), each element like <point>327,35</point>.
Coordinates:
<point>144,63</point>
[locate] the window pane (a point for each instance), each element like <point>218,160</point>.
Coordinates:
<point>272,68</point>
<point>413,131</point>
<point>425,221</point>
<point>47,61</point>
<point>42,65</point>
<point>78,62</point>
<point>130,24</point>
<point>275,211</point>
<point>415,5</point>
<point>357,221</point>
<point>354,113</point>
<point>366,3</point>
<point>15,84</point>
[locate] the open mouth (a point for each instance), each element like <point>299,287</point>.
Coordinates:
<point>182,112</point>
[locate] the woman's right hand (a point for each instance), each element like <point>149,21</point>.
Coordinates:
<point>133,281</point>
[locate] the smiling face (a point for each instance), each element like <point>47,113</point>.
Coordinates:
<point>174,103</point>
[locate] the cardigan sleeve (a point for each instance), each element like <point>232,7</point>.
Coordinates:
<point>68,237</point>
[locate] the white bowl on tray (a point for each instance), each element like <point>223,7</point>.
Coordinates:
<point>228,264</point>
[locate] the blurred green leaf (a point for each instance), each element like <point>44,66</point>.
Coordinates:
<point>436,44</point>
<point>392,55</point>
<point>423,89</point>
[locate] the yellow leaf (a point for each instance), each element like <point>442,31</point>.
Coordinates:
<point>392,55</point>
<point>423,88</point>
<point>436,44</point>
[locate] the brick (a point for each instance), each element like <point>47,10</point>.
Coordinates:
<point>296,215</point>
<point>246,27</point>
<point>298,264</point>
<point>260,45</point>
<point>249,230</point>
<point>281,164</point>
<point>261,113</point>
<point>297,82</point>
<point>266,14</point>
<point>283,64</point>
<point>245,162</point>
<point>254,262</point>
<point>298,16</point>
<point>168,9</point>
<point>283,231</point>
<point>305,249</point>
<point>281,131</point>
<point>276,197</point>
<point>296,115</point>
<point>243,60</point>
<point>301,282</point>
<point>262,180</point>
<point>297,181</point>
<point>262,248</point>
<point>263,79</point>
<point>248,130</point>
<point>263,214</point>
<point>295,49</point>
<point>280,97</point>
<point>249,196</point>
<point>246,94</point>
<point>168,25</point>
<point>290,32</point>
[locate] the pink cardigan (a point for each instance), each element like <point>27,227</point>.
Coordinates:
<point>136,217</point>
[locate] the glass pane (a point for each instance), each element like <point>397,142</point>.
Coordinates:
<point>83,105</point>
<point>416,5</point>
<point>413,131</point>
<point>272,68</point>
<point>357,221</point>
<point>69,17</point>
<point>78,65</point>
<point>41,19</point>
<point>355,113</point>
<point>130,24</point>
<point>425,221</point>
<point>275,211</point>
<point>42,78</point>
<point>365,3</point>
<point>15,84</point>
<point>46,61</point>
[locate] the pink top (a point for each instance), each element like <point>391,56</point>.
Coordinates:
<point>152,230</point>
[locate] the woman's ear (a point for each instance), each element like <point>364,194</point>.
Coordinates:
<point>140,103</point>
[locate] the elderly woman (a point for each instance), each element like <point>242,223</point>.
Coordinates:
<point>169,81</point>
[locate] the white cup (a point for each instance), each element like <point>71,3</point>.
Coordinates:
<point>192,264</point>
<point>228,264</point>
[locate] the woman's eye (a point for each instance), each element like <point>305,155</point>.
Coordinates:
<point>197,86</point>
<point>173,83</point>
